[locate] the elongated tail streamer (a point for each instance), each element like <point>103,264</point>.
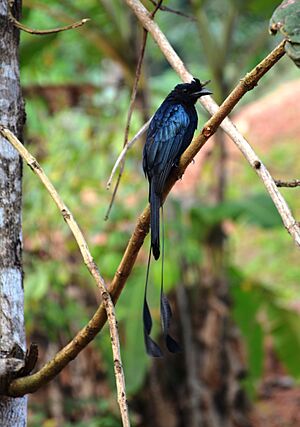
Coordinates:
<point>165,308</point>
<point>151,347</point>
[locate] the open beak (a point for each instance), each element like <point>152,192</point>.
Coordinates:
<point>203,91</point>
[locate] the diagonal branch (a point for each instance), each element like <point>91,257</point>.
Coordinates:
<point>219,119</point>
<point>89,262</point>
<point>30,384</point>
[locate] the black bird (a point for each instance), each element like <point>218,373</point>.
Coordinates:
<point>170,132</point>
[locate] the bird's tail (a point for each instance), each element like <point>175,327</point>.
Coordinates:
<point>154,222</point>
<point>165,308</point>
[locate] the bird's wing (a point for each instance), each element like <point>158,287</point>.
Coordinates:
<point>165,140</point>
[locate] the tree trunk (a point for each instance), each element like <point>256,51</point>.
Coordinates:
<point>12,411</point>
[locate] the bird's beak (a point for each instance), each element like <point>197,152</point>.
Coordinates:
<point>202,92</point>
<point>205,91</point>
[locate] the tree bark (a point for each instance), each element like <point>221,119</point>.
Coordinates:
<point>12,411</point>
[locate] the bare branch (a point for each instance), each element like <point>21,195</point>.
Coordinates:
<point>91,265</point>
<point>22,27</point>
<point>288,184</point>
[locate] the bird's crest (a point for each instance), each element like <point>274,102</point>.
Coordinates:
<point>189,88</point>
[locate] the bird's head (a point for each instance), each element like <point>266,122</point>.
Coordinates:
<point>191,91</point>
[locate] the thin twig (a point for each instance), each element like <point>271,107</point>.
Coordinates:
<point>30,384</point>
<point>176,12</point>
<point>130,111</point>
<point>22,27</point>
<point>89,262</point>
<point>125,149</point>
<point>127,127</point>
<point>288,184</point>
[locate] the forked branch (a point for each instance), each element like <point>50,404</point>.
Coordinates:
<point>219,118</point>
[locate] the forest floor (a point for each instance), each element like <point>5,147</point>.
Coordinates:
<point>280,409</point>
<point>278,400</point>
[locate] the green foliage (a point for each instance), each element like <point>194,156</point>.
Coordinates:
<point>257,209</point>
<point>35,47</point>
<point>248,301</point>
<point>259,312</point>
<point>261,8</point>
<point>286,19</point>
<point>77,145</point>
<point>134,358</point>
<point>74,408</point>
<point>285,330</point>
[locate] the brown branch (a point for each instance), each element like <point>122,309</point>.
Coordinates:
<point>91,265</point>
<point>53,367</point>
<point>247,83</point>
<point>32,383</point>
<point>130,111</point>
<point>288,184</point>
<point>22,27</point>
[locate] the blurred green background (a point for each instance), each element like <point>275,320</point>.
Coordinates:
<point>225,243</point>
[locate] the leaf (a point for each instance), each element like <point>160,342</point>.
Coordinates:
<point>248,301</point>
<point>261,8</point>
<point>250,298</point>
<point>293,51</point>
<point>256,209</point>
<point>37,284</point>
<point>286,19</point>
<point>35,46</point>
<point>285,329</point>
<point>260,210</point>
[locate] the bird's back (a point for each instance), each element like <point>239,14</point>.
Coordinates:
<point>170,132</point>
